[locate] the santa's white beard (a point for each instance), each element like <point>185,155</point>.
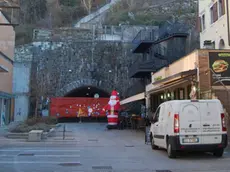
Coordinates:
<point>112,102</point>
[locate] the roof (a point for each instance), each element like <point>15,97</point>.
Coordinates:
<point>200,100</point>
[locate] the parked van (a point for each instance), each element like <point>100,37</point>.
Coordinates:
<point>189,125</point>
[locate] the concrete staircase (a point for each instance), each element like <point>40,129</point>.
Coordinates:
<point>96,14</point>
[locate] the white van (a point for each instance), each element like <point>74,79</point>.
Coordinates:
<point>189,125</point>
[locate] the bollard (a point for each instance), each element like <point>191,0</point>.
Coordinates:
<point>64,132</point>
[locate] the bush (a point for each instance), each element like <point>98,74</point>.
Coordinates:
<point>46,120</point>
<point>24,128</point>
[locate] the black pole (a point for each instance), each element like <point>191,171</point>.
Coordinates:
<point>64,132</point>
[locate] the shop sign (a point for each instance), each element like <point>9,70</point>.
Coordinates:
<point>219,62</point>
<point>158,78</point>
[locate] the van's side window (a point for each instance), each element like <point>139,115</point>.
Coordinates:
<point>158,113</point>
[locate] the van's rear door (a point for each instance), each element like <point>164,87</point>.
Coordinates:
<point>190,123</point>
<point>211,122</point>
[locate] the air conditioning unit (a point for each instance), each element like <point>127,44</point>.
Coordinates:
<point>208,44</point>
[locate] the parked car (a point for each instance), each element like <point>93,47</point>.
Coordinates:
<point>189,125</point>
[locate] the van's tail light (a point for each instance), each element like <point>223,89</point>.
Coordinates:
<point>224,128</point>
<point>176,123</point>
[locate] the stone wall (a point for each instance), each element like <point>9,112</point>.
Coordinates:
<point>74,59</point>
<point>64,66</point>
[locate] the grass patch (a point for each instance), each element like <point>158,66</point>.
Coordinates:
<point>41,123</point>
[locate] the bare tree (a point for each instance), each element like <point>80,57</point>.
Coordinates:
<point>131,4</point>
<point>87,5</point>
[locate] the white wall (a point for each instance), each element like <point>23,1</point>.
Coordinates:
<point>215,31</point>
<point>21,81</point>
<point>21,109</point>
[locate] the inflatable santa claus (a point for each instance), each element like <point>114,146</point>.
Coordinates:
<point>112,108</point>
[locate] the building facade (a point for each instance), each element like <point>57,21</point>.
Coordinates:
<point>176,81</point>
<point>158,48</point>
<point>7,44</point>
<point>214,24</point>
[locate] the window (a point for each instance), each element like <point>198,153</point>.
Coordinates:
<point>203,22</point>
<point>214,13</point>
<point>157,114</point>
<point>221,7</point>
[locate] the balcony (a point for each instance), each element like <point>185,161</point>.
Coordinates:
<point>143,69</point>
<point>9,13</point>
<point>143,40</point>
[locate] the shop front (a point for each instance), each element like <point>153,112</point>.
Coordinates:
<point>6,108</point>
<point>202,74</point>
<point>177,87</point>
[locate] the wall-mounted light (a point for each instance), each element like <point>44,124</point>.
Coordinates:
<point>162,97</point>
<point>169,95</point>
<point>88,88</point>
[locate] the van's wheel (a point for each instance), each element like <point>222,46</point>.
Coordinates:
<point>154,147</point>
<point>170,151</point>
<point>218,152</point>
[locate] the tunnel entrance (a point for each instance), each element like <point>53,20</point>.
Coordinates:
<point>83,104</point>
<point>88,91</point>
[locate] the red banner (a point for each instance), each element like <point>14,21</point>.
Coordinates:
<point>77,107</point>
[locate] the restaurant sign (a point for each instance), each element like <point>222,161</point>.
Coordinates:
<point>219,64</point>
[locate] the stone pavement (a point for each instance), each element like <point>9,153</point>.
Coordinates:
<point>91,148</point>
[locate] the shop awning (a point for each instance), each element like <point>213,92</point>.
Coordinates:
<point>6,95</point>
<point>173,80</point>
<point>134,98</point>
<point>176,77</point>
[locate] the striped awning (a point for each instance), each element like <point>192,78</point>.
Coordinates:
<point>5,95</point>
<point>134,98</point>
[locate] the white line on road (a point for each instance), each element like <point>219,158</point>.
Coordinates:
<point>36,162</point>
<point>58,156</point>
<point>34,150</point>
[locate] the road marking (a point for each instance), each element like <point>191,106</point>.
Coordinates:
<point>35,162</point>
<point>34,150</point>
<point>61,156</point>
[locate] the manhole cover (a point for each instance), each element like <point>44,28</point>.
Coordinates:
<point>129,146</point>
<point>26,154</point>
<point>92,140</point>
<point>163,171</point>
<point>102,168</point>
<point>70,164</point>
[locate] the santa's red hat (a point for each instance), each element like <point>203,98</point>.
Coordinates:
<point>114,93</point>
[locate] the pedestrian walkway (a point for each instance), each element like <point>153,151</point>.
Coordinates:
<point>97,13</point>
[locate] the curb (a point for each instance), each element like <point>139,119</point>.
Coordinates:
<point>45,135</point>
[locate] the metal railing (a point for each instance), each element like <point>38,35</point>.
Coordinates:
<point>144,35</point>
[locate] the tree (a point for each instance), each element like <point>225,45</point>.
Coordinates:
<point>87,4</point>
<point>131,4</point>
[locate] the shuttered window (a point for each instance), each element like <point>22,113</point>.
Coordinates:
<point>214,13</point>
<point>221,7</point>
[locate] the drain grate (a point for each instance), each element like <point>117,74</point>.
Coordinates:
<point>102,168</point>
<point>163,171</point>
<point>129,146</point>
<point>26,154</point>
<point>92,140</point>
<point>70,164</point>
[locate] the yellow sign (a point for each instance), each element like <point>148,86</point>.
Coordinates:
<point>80,112</point>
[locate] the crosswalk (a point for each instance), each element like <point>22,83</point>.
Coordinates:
<point>39,155</point>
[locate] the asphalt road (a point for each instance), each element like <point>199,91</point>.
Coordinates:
<point>91,148</point>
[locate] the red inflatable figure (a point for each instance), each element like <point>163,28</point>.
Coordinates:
<point>112,108</point>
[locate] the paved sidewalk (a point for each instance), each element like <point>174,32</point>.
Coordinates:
<point>4,129</point>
